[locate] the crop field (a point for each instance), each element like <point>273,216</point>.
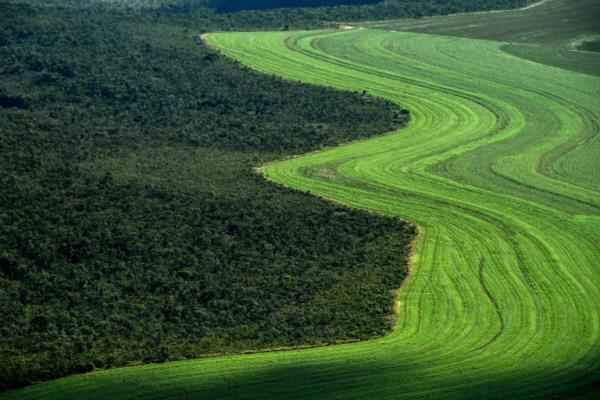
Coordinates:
<point>499,168</point>
<point>548,31</point>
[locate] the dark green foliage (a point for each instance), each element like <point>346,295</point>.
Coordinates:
<point>241,15</point>
<point>311,17</point>
<point>380,9</point>
<point>132,228</point>
<point>12,102</point>
<point>236,5</point>
<point>592,46</point>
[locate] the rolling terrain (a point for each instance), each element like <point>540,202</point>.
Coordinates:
<point>499,170</point>
<point>554,32</point>
<point>134,230</point>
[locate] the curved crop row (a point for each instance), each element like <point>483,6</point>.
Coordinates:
<point>499,170</point>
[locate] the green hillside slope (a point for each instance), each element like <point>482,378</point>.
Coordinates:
<point>562,33</point>
<point>499,170</point>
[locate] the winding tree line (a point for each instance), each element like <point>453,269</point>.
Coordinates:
<point>132,228</point>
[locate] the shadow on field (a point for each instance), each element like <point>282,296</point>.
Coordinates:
<point>373,374</point>
<point>378,380</point>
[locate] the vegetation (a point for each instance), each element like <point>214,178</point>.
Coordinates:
<point>270,16</point>
<point>500,173</point>
<point>592,45</point>
<point>499,170</point>
<point>132,228</point>
<point>219,15</point>
<point>122,214</point>
<point>545,34</point>
<point>237,5</point>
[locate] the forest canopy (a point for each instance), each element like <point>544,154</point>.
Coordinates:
<point>132,227</point>
<point>269,14</point>
<point>236,5</point>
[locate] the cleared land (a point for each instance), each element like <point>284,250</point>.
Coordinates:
<point>499,168</point>
<point>551,31</point>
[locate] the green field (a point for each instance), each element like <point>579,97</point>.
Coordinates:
<point>499,168</point>
<point>550,31</point>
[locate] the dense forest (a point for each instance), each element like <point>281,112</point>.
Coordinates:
<point>269,14</point>
<point>237,5</point>
<point>132,228</point>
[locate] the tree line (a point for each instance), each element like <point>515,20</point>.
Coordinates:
<point>132,228</point>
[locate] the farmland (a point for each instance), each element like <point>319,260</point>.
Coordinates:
<point>498,168</point>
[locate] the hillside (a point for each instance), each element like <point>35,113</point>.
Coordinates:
<point>137,230</point>
<point>559,34</point>
<point>132,226</point>
<point>237,5</point>
<point>269,14</point>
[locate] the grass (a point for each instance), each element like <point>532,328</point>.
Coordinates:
<point>548,31</point>
<point>499,170</point>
